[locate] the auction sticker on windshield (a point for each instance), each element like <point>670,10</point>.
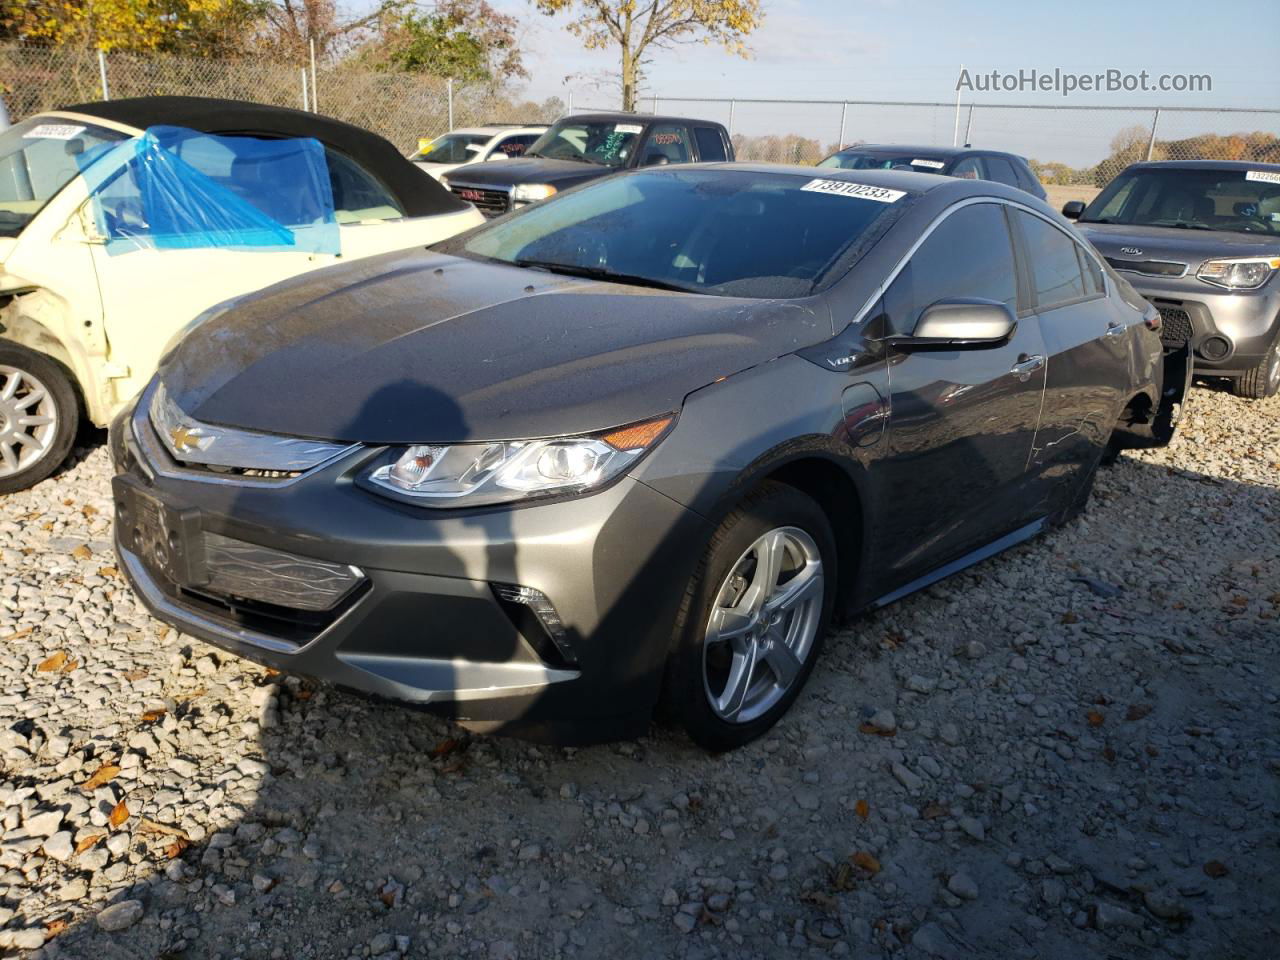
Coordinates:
<point>931,164</point>
<point>628,128</point>
<point>860,191</point>
<point>54,131</point>
<point>1265,176</point>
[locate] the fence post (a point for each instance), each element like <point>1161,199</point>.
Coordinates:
<point>655,103</point>
<point>1151,143</point>
<point>570,110</point>
<point>968,126</point>
<point>732,104</point>
<point>315,92</point>
<point>102,72</point>
<point>306,96</point>
<point>844,115</point>
<point>955,133</point>
<point>449,89</point>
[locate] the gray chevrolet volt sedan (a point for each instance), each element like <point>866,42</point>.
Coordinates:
<point>1200,239</point>
<point>635,446</point>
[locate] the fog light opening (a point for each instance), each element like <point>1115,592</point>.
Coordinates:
<point>533,601</point>
<point>1214,348</point>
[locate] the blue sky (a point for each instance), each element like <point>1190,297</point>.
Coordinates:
<point>912,49</point>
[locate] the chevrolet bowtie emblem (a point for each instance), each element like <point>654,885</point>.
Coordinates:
<point>184,439</point>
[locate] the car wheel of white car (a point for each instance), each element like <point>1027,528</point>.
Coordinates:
<point>39,416</point>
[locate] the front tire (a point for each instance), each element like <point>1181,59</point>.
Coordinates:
<point>754,618</point>
<point>1263,380</point>
<point>39,417</point>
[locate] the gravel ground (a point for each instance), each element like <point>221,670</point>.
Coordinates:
<point>1071,751</point>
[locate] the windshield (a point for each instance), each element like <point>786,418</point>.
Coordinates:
<point>606,142</point>
<point>38,157</point>
<point>723,232</point>
<point>1234,201</point>
<point>453,148</point>
<point>879,160</point>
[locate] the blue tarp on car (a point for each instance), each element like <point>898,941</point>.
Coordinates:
<point>178,189</point>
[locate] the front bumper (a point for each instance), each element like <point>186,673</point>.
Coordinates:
<point>1229,332</point>
<point>421,622</point>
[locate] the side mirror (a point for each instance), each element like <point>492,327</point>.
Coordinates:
<point>961,322</point>
<point>1072,209</point>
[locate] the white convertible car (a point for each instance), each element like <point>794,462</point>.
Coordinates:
<point>120,222</point>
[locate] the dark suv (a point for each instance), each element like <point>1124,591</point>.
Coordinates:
<point>586,147</point>
<point>1200,239</point>
<point>967,163</point>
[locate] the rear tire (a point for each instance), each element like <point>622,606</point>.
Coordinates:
<point>754,618</point>
<point>39,417</point>
<point>1263,380</point>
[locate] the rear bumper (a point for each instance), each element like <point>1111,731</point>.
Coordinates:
<point>425,626</point>
<point>1228,332</point>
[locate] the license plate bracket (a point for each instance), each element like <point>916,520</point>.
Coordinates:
<point>168,539</point>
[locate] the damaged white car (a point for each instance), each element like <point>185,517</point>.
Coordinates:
<point>122,221</point>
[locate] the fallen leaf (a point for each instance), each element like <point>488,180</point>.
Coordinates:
<point>55,927</point>
<point>819,899</point>
<point>1070,617</point>
<point>150,826</point>
<point>174,850</point>
<point>388,897</point>
<point>862,809</point>
<point>444,748</point>
<point>843,879</point>
<point>1109,755</point>
<point>82,552</point>
<point>69,666</point>
<point>933,811</point>
<point>104,774</point>
<point>154,716</point>
<point>133,676</point>
<point>119,814</point>
<point>18,633</point>
<point>108,572</point>
<point>1095,718</point>
<point>303,694</point>
<point>1138,710</point>
<point>866,861</point>
<point>1216,869</point>
<point>875,731</point>
<point>55,662</point>
<point>88,842</point>
<point>88,510</point>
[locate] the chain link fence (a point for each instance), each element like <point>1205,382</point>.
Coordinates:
<point>401,107</point>
<point>1069,145</point>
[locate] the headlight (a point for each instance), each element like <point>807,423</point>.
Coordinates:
<point>531,192</point>
<point>1244,274</point>
<point>478,474</point>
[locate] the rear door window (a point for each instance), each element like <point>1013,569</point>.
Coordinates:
<point>969,254</point>
<point>968,168</point>
<point>710,144</point>
<point>1055,263</point>
<point>667,140</point>
<point>357,193</point>
<point>1001,170</point>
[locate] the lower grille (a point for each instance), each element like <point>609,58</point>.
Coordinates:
<point>492,203</point>
<point>234,568</point>
<point>1175,326</point>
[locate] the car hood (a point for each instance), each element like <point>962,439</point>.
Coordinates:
<point>507,173</point>
<point>423,347</point>
<point>1173,243</point>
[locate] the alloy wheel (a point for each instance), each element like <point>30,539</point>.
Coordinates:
<point>28,420</point>
<point>762,628</point>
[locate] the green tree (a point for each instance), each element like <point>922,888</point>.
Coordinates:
<point>467,40</point>
<point>639,27</point>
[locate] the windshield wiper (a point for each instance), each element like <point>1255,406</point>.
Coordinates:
<point>1095,220</point>
<point>1190,226</point>
<point>600,273</point>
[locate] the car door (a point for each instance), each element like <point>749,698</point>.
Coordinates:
<point>962,420</point>
<point>1088,369</point>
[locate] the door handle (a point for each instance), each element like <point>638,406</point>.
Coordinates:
<point>1115,329</point>
<point>1026,366</point>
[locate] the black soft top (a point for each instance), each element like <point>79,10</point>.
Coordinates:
<point>418,193</point>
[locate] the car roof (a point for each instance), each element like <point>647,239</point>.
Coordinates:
<point>1224,165</point>
<point>645,118</point>
<point>493,129</point>
<point>417,192</point>
<point>917,148</point>
<point>908,180</point>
